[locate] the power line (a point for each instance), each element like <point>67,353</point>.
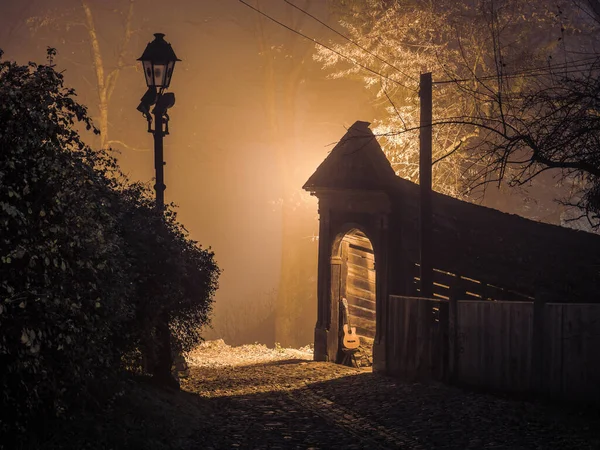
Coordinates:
<point>351,41</point>
<point>564,65</point>
<point>534,71</point>
<point>508,76</point>
<point>327,47</point>
<point>548,68</point>
<point>525,73</point>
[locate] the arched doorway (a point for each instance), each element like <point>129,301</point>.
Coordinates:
<point>355,254</point>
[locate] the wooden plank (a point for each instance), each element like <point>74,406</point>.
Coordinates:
<point>417,338</point>
<point>361,252</point>
<point>361,293</point>
<point>482,289</point>
<point>444,278</point>
<point>363,313</point>
<point>360,302</point>
<point>392,338</point>
<point>361,284</point>
<point>496,340</point>
<point>553,349</point>
<point>362,244</point>
<point>484,361</point>
<point>441,290</point>
<point>519,353</point>
<point>505,348</point>
<point>362,323</point>
<point>365,333</point>
<point>361,272</point>
<point>468,343</point>
<point>398,339</point>
<point>498,293</point>
<point>361,260</point>
<point>359,240</point>
<point>580,362</point>
<point>361,248</point>
<point>411,339</point>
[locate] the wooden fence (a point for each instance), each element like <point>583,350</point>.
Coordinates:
<point>571,363</point>
<point>502,345</point>
<point>418,333</point>
<point>494,344</point>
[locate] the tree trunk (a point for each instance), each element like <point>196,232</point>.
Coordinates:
<point>105,85</point>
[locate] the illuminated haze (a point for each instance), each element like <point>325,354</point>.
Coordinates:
<point>253,118</point>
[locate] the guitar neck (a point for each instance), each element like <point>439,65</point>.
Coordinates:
<point>345,313</point>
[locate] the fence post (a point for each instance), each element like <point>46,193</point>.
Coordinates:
<point>537,341</point>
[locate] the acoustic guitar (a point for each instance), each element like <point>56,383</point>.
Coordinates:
<point>350,340</point>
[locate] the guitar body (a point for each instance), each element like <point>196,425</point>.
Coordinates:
<point>350,340</point>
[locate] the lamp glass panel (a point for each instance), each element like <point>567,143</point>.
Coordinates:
<point>147,65</point>
<point>160,74</point>
<point>170,68</point>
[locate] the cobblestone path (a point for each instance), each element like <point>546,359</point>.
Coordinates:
<point>310,405</point>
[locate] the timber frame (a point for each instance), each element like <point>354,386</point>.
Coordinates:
<point>357,189</point>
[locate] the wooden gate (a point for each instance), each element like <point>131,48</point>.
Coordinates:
<point>360,284</point>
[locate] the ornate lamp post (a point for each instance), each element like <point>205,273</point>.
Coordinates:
<point>158,62</point>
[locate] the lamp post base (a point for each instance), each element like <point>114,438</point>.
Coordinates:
<point>164,359</point>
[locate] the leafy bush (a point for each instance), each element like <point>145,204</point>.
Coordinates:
<point>172,272</point>
<point>87,266</point>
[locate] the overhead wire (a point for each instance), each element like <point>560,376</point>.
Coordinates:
<point>367,68</point>
<point>350,40</point>
<point>534,71</point>
<point>524,73</point>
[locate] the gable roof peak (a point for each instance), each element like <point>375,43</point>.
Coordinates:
<point>356,162</point>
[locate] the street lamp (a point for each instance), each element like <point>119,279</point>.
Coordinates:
<point>158,62</point>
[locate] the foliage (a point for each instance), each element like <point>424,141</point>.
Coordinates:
<point>87,265</point>
<point>456,41</point>
<point>171,271</point>
<point>550,124</point>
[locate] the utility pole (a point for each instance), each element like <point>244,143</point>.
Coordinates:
<point>425,163</point>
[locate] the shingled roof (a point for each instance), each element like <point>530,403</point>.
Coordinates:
<point>356,162</point>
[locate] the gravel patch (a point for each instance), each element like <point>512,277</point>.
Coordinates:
<point>213,354</point>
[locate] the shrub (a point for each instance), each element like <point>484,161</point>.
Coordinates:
<point>86,264</point>
<point>172,273</point>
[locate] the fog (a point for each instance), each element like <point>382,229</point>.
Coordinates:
<point>253,118</point>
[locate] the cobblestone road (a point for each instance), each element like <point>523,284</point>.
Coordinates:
<point>310,405</point>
